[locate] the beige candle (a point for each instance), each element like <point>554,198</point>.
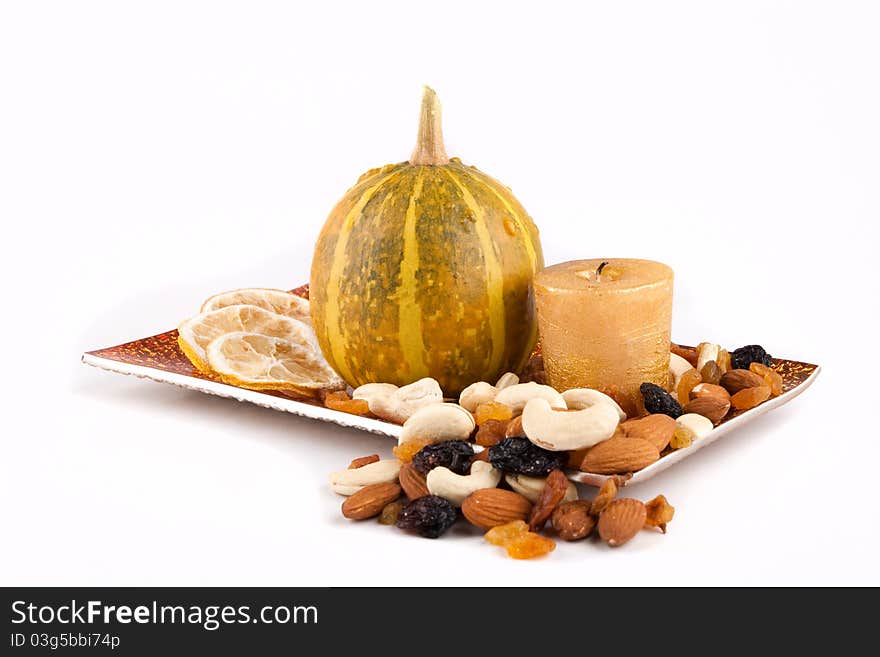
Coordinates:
<point>605,324</point>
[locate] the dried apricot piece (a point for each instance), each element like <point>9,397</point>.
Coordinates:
<point>552,494</point>
<point>771,377</point>
<point>362,461</point>
<point>659,513</point>
<point>504,534</point>
<point>352,406</point>
<point>750,397</point>
<point>603,498</point>
<point>491,432</point>
<point>407,450</point>
<point>492,410</point>
<point>686,383</point>
<point>711,373</point>
<point>336,396</point>
<point>683,437</point>
<point>530,546</point>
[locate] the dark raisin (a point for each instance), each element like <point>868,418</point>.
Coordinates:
<point>455,455</point>
<point>741,358</point>
<point>430,516</point>
<point>521,456</point>
<point>657,400</point>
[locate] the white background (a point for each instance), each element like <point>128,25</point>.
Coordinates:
<point>152,154</point>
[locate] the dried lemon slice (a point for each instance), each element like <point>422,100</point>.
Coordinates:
<point>277,301</point>
<point>259,362</point>
<point>196,334</point>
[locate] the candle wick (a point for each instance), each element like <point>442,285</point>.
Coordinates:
<point>599,269</point>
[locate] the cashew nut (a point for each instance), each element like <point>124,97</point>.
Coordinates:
<point>348,482</point>
<point>677,367</point>
<point>369,390</point>
<point>580,398</point>
<point>476,394</point>
<point>455,488</point>
<point>697,423</point>
<point>438,422</point>
<point>561,431</point>
<point>507,379</point>
<point>531,487</point>
<point>707,352</point>
<point>398,405</point>
<point>516,396</point>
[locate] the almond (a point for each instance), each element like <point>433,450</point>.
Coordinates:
<point>656,428</point>
<point>709,390</point>
<point>572,520</point>
<point>514,428</point>
<point>619,454</point>
<point>369,501</point>
<point>622,520</point>
<point>714,408</point>
<point>490,507</point>
<point>362,461</point>
<point>413,482</point>
<point>736,380</point>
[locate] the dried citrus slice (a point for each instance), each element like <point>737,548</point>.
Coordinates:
<point>196,334</point>
<point>259,362</point>
<point>277,301</point>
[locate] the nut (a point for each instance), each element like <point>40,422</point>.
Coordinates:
<point>490,507</point>
<point>413,482</point>
<point>506,380</point>
<point>362,461</point>
<point>736,380</point>
<point>454,487</point>
<point>347,482</point>
<point>518,395</point>
<point>476,394</point>
<point>709,390</point>
<point>705,353</point>
<point>531,487</point>
<point>698,424</point>
<point>580,398</point>
<point>621,520</point>
<point>572,520</point>
<point>369,501</point>
<point>620,454</point>
<point>712,407</point>
<point>656,428</point>
<point>515,428</point>
<point>398,405</point>
<point>677,367</point>
<point>369,390</point>
<point>438,422</point>
<point>560,431</point>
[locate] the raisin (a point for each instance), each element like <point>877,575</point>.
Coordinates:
<point>504,534</point>
<point>683,437</point>
<point>454,454</point>
<point>603,498</point>
<point>657,400</point>
<point>551,495</point>
<point>534,370</point>
<point>430,516</point>
<point>724,360</point>
<point>686,383</point>
<point>741,358</point>
<point>390,513</point>
<point>750,397</point>
<point>520,456</point>
<point>405,451</point>
<point>711,373</point>
<point>530,546</point>
<point>362,461</point>
<point>491,432</point>
<point>492,411</point>
<point>659,513</point>
<point>771,377</point>
<point>352,406</point>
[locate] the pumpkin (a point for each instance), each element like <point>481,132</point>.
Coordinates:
<point>424,268</point>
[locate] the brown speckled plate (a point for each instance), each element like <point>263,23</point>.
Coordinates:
<point>158,358</point>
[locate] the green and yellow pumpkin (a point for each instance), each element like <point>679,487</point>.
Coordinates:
<point>424,268</point>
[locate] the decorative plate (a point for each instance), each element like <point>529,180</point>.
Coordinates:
<point>159,358</point>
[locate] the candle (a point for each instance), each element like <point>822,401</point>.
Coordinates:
<point>605,324</point>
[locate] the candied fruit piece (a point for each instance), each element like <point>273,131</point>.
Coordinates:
<point>491,432</point>
<point>683,437</point>
<point>724,360</point>
<point>520,456</point>
<point>336,396</point>
<point>530,546</point>
<point>688,353</point>
<point>659,513</point>
<point>453,454</point>
<point>362,461</point>
<point>492,411</point>
<point>741,358</point>
<point>407,450</point>
<point>771,377</point>
<point>686,383</point>
<point>352,406</point>
<point>391,513</point>
<point>430,516</point>
<point>657,400</point>
<point>750,397</point>
<point>504,534</point>
<point>711,373</point>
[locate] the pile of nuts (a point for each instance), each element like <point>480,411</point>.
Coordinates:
<point>497,457</point>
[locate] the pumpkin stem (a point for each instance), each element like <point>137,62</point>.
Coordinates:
<point>429,148</point>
